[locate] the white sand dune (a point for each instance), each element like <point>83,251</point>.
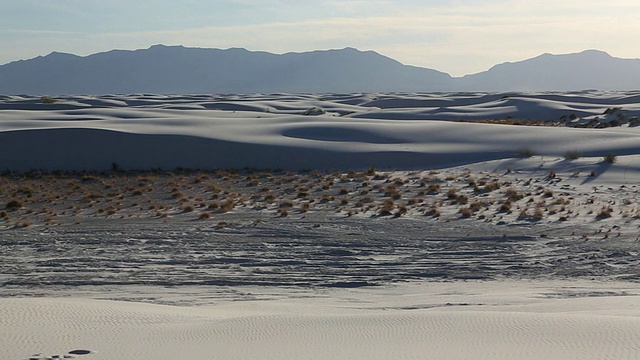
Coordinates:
<point>443,321</point>
<point>304,131</point>
<point>511,319</point>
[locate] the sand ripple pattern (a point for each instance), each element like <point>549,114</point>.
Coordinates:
<point>350,253</point>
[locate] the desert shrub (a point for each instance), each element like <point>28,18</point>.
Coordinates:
<point>14,204</point>
<point>476,206</point>
<point>611,110</point>
<point>393,192</point>
<point>513,195</point>
<point>462,199</point>
<point>610,158</point>
<point>48,100</point>
<point>452,194</point>
<point>523,214</point>
<point>402,210</point>
<point>204,216</point>
<point>505,207</point>
<point>572,155</point>
<point>466,212</point>
<point>433,188</point>
<point>525,152</point>
<point>492,186</point>
<point>227,206</point>
<point>387,207</point>
<point>433,212</point>
<point>538,214</point>
<point>604,213</point>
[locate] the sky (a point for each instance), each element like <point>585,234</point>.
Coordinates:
<point>455,36</point>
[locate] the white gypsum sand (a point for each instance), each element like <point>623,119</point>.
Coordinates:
<point>480,320</point>
<point>500,242</point>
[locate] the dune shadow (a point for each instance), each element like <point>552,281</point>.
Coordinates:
<point>340,134</point>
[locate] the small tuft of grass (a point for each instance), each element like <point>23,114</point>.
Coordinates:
<point>605,213</point>
<point>525,152</point>
<point>610,158</point>
<point>14,204</point>
<point>572,155</point>
<point>48,100</point>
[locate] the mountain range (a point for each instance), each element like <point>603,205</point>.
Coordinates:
<point>178,70</point>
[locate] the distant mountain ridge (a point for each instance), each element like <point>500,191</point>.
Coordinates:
<point>177,70</point>
<point>590,69</point>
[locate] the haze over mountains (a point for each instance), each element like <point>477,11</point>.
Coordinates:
<point>178,69</point>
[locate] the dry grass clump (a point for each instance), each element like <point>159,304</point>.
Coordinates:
<point>514,195</point>
<point>227,205</point>
<point>605,213</point>
<point>13,205</point>
<point>402,210</point>
<point>285,204</point>
<point>525,152</point>
<point>433,212</point>
<point>538,214</point>
<point>572,155</point>
<point>466,212</point>
<point>387,207</point>
<point>392,192</point>
<point>304,207</point>
<point>452,193</point>
<point>610,158</point>
<point>505,207</point>
<point>433,189</point>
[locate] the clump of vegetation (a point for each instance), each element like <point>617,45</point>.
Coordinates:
<point>505,207</point>
<point>48,100</point>
<point>14,204</point>
<point>387,207</point>
<point>605,213</point>
<point>433,189</point>
<point>610,158</point>
<point>513,195</point>
<point>466,212</point>
<point>452,194</point>
<point>525,152</point>
<point>538,214</point>
<point>572,155</point>
<point>433,212</point>
<point>402,210</point>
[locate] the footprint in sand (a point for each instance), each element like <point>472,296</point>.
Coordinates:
<point>70,355</point>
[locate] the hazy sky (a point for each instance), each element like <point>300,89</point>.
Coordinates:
<point>455,36</point>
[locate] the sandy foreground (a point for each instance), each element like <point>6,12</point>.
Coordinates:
<point>357,227</point>
<point>459,320</point>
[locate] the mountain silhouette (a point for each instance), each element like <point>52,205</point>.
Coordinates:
<point>590,69</point>
<point>180,70</point>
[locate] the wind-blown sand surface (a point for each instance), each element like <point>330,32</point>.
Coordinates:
<point>355,226</point>
<point>500,320</point>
